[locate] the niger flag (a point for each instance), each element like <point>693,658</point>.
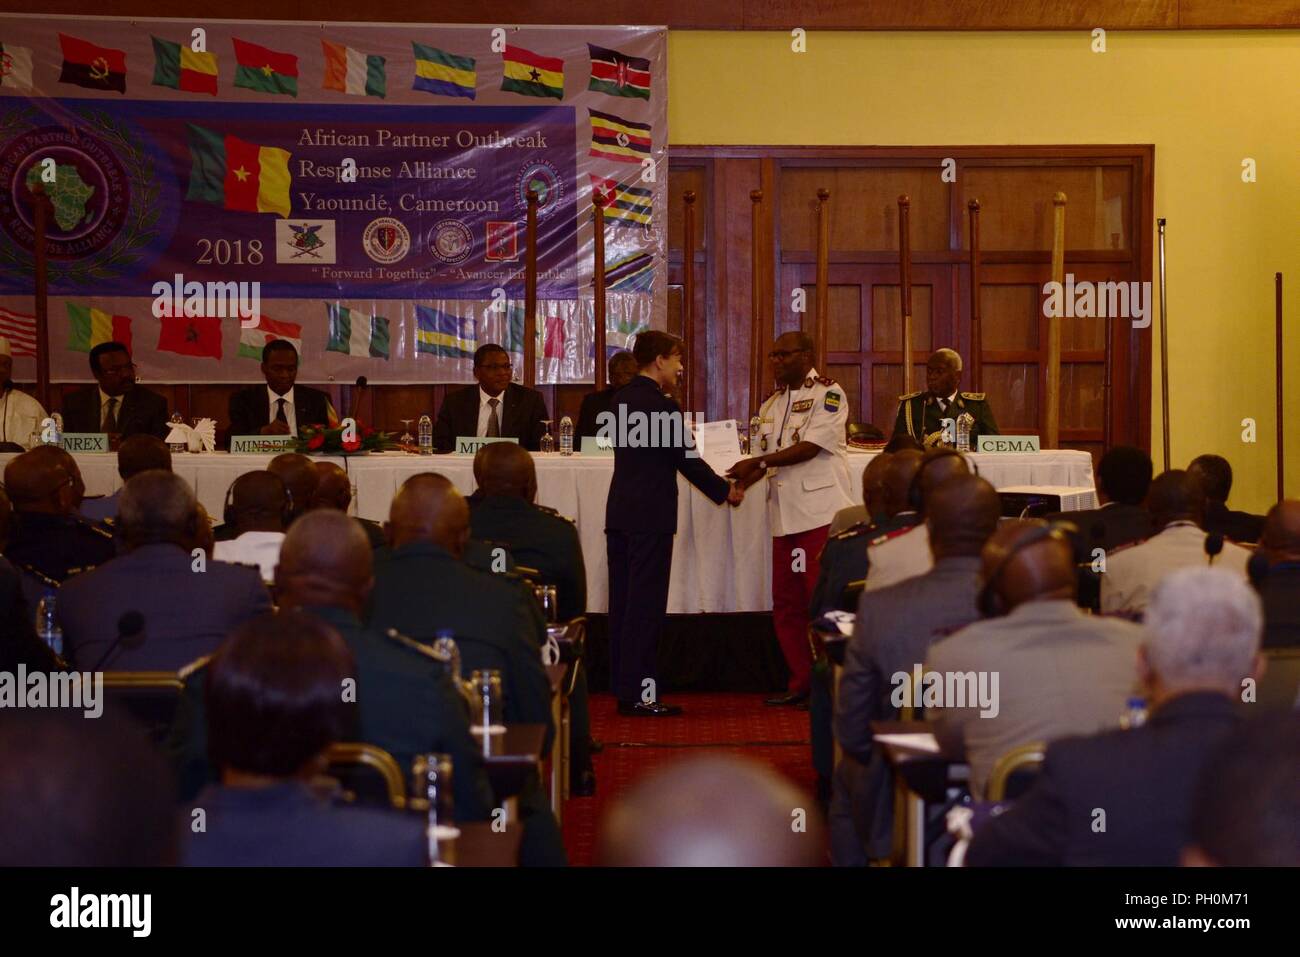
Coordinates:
<point>91,66</point>
<point>236,174</point>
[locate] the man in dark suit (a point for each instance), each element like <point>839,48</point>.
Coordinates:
<point>1275,572</point>
<point>1122,798</point>
<point>334,491</point>
<point>116,405</point>
<point>136,454</point>
<point>18,641</point>
<point>641,519</point>
<point>622,367</point>
<point>1215,475</point>
<point>494,407</point>
<point>186,612</point>
<point>280,407</point>
<point>1123,478</point>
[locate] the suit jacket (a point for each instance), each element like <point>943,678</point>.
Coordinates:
<point>593,403</point>
<point>1280,594</point>
<point>1112,525</point>
<point>1143,779</point>
<point>187,614</point>
<point>643,492</point>
<point>48,550</point>
<point>141,412</point>
<point>1238,526</point>
<point>250,408</point>
<point>522,417</point>
<point>537,537</point>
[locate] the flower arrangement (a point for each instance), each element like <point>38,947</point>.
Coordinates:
<point>355,440</point>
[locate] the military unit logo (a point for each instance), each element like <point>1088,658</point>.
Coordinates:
<point>832,401</point>
<point>386,240</point>
<point>542,178</point>
<point>451,241</point>
<point>305,241</point>
<point>502,242</point>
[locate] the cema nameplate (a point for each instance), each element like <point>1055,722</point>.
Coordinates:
<point>1008,443</point>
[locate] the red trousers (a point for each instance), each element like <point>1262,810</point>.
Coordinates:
<point>794,574</point>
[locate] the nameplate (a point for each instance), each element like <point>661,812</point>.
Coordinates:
<point>263,443</point>
<point>1008,443</point>
<point>469,444</point>
<point>85,442</point>
<point>597,445</point>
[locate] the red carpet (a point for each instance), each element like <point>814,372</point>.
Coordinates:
<point>713,723</point>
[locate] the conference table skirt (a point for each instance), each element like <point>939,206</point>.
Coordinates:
<point>721,556</point>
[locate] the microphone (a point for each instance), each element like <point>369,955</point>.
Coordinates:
<point>1257,568</point>
<point>130,634</point>
<point>1213,546</point>
<point>357,395</point>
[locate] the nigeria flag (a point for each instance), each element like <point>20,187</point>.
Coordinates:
<point>355,334</point>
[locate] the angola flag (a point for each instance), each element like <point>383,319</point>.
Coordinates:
<point>91,66</point>
<point>263,70</point>
<point>356,334</point>
<point>15,67</point>
<point>625,205</point>
<point>523,71</point>
<point>440,333</point>
<point>252,340</point>
<point>618,139</point>
<point>437,71</point>
<point>351,71</point>
<point>236,174</point>
<point>182,69</point>
<point>190,336</point>
<point>88,327</point>
<point>618,74</point>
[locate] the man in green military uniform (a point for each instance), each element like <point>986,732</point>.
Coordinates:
<point>921,414</point>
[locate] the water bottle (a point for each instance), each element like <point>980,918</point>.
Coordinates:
<point>180,445</point>
<point>1135,714</point>
<point>47,624</point>
<point>566,436</point>
<point>963,425</point>
<point>426,435</point>
<point>755,433</point>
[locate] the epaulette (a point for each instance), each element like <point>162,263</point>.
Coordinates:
<point>192,667</point>
<point>39,575</point>
<point>854,531</point>
<point>97,529</point>
<point>909,396</point>
<point>551,511</point>
<point>777,389</point>
<point>824,380</point>
<point>427,651</point>
<point>976,396</point>
<point>880,539</point>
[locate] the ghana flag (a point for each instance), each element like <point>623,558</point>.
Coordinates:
<point>236,174</point>
<point>618,74</point>
<point>264,70</point>
<point>91,66</point>
<point>88,327</point>
<point>181,68</point>
<point>523,71</point>
<point>618,139</point>
<point>437,71</point>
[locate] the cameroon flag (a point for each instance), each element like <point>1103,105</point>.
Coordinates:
<point>88,327</point>
<point>236,174</point>
<point>182,69</point>
<point>525,72</point>
<point>91,66</point>
<point>267,71</point>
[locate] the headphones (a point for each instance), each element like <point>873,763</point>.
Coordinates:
<point>228,507</point>
<point>914,490</point>
<point>989,601</point>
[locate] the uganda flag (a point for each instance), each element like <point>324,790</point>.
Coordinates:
<point>618,139</point>
<point>356,334</point>
<point>94,67</point>
<point>523,71</point>
<point>181,68</point>
<point>618,74</point>
<point>351,71</point>
<point>437,71</point>
<point>238,175</point>
<point>266,71</point>
<point>625,205</point>
<point>88,327</point>
<point>440,333</point>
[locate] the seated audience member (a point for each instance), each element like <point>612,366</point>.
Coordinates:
<point>895,556</point>
<point>1177,503</point>
<point>18,642</point>
<point>621,370</point>
<point>494,407</point>
<point>1058,670</point>
<point>334,491</point>
<point>115,404</point>
<point>894,630</point>
<point>300,477</point>
<point>83,793</point>
<point>1276,574</point>
<point>1201,642</point>
<point>1215,475</point>
<point>138,453</point>
<point>1123,478</point>
<point>279,407</point>
<point>186,613</point>
<point>1246,807</point>
<point>716,811</point>
<point>258,512</point>
<point>21,414</point>
<point>846,542</point>
<point>274,709</point>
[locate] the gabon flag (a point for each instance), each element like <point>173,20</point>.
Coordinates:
<point>181,68</point>
<point>236,174</point>
<point>94,67</point>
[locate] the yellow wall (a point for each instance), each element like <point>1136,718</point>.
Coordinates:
<point>1206,100</point>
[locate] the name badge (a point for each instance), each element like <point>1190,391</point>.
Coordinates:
<point>803,405</point>
<point>1008,443</point>
<point>92,442</point>
<point>469,444</point>
<point>263,443</point>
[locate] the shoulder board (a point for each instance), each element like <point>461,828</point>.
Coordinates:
<point>855,530</point>
<point>909,396</point>
<point>110,523</point>
<point>39,575</point>
<point>976,396</point>
<point>94,527</point>
<point>824,380</point>
<point>776,390</point>
<point>880,539</point>
<point>551,511</point>
<point>427,651</point>
<point>193,666</point>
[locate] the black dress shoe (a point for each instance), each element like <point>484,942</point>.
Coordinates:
<point>790,698</point>
<point>583,784</point>
<point>655,709</point>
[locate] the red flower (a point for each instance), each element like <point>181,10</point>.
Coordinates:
<point>351,445</point>
<point>316,441</point>
<point>368,431</point>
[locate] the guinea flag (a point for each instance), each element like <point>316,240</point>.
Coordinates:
<point>91,66</point>
<point>264,70</point>
<point>523,71</point>
<point>88,327</point>
<point>236,174</point>
<point>182,69</point>
<point>351,71</point>
<point>191,336</point>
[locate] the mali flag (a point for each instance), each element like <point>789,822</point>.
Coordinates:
<point>356,334</point>
<point>351,71</point>
<point>523,71</point>
<point>442,334</point>
<point>88,327</point>
<point>618,74</point>
<point>190,336</point>
<point>267,71</point>
<point>437,71</point>
<point>182,69</point>
<point>618,139</point>
<point>236,174</point>
<point>91,66</point>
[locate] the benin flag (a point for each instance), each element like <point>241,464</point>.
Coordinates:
<point>88,327</point>
<point>267,71</point>
<point>351,71</point>
<point>356,334</point>
<point>191,336</point>
<point>91,66</point>
<point>253,340</point>
<point>233,173</point>
<point>182,69</point>
<point>523,71</point>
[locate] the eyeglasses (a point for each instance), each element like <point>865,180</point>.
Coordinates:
<point>496,366</point>
<point>784,354</point>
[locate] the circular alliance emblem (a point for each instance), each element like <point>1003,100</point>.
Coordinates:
<point>451,241</point>
<point>542,178</point>
<point>386,240</point>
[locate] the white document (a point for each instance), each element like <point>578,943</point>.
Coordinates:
<point>917,741</point>
<point>718,444</point>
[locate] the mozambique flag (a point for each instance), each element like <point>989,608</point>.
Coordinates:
<point>618,139</point>
<point>263,70</point>
<point>625,205</point>
<point>182,69</point>
<point>254,339</point>
<point>88,327</point>
<point>634,273</point>
<point>15,67</point>
<point>190,336</point>
<point>355,334</point>
<point>351,71</point>
<point>91,66</point>
<point>523,71</point>
<point>618,74</point>
<point>236,174</point>
<point>440,333</point>
<point>437,71</point>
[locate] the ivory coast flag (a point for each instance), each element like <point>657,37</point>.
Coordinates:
<point>523,71</point>
<point>351,71</point>
<point>182,69</point>
<point>253,340</point>
<point>236,174</point>
<point>88,327</point>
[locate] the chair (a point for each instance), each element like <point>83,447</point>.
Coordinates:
<point>151,697</point>
<point>573,643</point>
<point>1015,771</point>
<point>367,774</point>
<point>1279,686</point>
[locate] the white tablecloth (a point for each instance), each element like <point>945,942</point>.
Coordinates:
<point>721,556</point>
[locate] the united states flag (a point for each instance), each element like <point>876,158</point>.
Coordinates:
<point>20,330</point>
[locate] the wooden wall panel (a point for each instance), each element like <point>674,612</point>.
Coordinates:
<point>1010,316</point>
<point>680,180</point>
<point>886,387</point>
<point>849,376</point>
<point>1016,206</point>
<point>1082,402</point>
<point>864,207</point>
<point>1012,389</point>
<point>887,317</point>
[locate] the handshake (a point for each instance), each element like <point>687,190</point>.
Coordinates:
<point>744,474</point>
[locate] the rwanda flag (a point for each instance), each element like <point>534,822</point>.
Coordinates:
<point>264,70</point>
<point>442,334</point>
<point>236,174</point>
<point>181,68</point>
<point>355,334</point>
<point>437,71</point>
<point>523,71</point>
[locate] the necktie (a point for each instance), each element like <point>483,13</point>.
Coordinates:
<point>110,415</point>
<point>494,424</point>
<point>279,412</point>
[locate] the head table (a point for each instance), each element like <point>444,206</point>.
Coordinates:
<point>721,556</point>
